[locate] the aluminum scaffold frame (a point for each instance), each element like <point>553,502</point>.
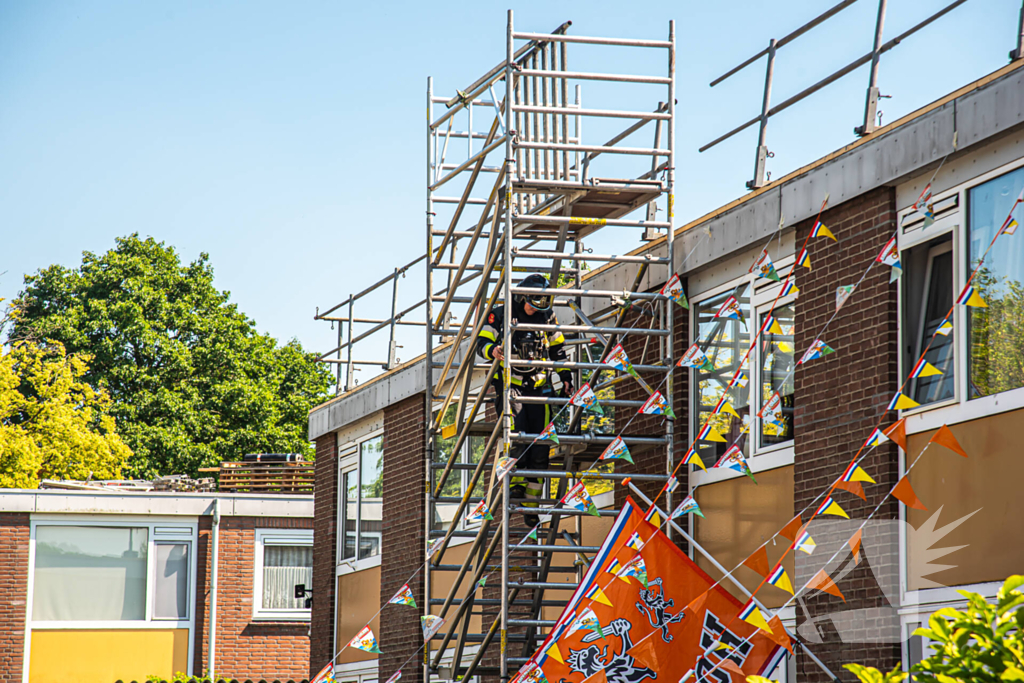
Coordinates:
<point>545,192</point>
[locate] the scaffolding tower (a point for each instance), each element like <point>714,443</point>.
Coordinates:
<point>516,192</point>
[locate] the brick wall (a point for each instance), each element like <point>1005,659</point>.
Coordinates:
<point>245,648</point>
<point>14,535</point>
<point>652,460</point>
<point>402,539</point>
<point>325,543</point>
<point>839,398</point>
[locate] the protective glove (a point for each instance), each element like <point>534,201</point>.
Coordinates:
<point>567,386</point>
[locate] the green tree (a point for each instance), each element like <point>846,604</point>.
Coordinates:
<point>192,381</point>
<point>53,425</point>
<point>983,643</point>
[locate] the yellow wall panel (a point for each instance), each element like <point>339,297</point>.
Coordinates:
<point>740,516</point>
<point>358,600</point>
<point>104,656</point>
<point>981,492</point>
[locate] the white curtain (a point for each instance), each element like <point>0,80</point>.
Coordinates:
<point>90,573</point>
<point>283,567</point>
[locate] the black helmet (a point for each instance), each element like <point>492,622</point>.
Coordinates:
<point>541,300</point>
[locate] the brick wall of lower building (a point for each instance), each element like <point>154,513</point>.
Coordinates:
<point>839,399</point>
<point>14,537</point>
<point>325,544</point>
<point>402,540</point>
<point>245,648</point>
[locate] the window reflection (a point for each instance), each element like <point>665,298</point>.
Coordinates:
<point>777,357</point>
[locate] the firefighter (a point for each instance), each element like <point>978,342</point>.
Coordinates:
<point>531,418</point>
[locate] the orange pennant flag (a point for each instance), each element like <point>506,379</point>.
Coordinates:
<point>733,668</point>
<point>779,634</point>
<point>854,544</point>
<point>904,492</point>
<point>853,487</point>
<point>898,432</point>
<point>758,561</point>
<point>599,677</point>
<point>944,437</point>
<point>822,582</point>
<point>792,530</point>
<point>696,605</point>
<point>645,652</point>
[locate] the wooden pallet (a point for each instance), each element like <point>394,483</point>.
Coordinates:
<point>256,477</point>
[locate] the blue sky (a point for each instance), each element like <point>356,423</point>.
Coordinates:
<point>287,139</point>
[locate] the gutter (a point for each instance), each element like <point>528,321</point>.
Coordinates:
<point>214,540</point>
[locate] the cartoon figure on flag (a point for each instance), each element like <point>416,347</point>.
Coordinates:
<point>326,674</point>
<point>480,513</point>
<point>617,450</point>
<point>730,308</point>
<point>890,256</point>
<point>686,507</point>
<point>431,624</point>
<point>586,399</point>
<point>695,358</point>
<point>733,459</point>
<point>586,620</point>
<point>579,498</point>
<point>364,641</point>
<point>764,267</point>
<point>503,466</point>
<point>657,405</point>
<point>673,289</point>
<point>771,412</point>
<point>549,434</point>
<point>817,349</point>
<point>843,293</point>
<point>403,597</point>
<point>635,568</point>
<point>395,677</point>
<point>618,359</point>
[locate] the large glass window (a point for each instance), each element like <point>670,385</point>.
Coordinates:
<point>725,342</point>
<point>995,334</point>
<point>90,573</point>
<point>108,572</point>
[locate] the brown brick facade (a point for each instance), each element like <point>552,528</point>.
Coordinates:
<point>829,430</point>
<point>402,539</point>
<point>652,460</point>
<point>246,649</point>
<point>325,552</point>
<point>14,542</point>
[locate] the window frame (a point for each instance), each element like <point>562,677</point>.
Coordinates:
<point>349,460</point>
<point>276,537</point>
<point>763,293</point>
<point>161,530</point>
<point>960,408</point>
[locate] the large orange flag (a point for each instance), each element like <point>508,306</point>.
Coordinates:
<point>665,615</point>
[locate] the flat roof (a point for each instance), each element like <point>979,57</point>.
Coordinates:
<point>40,501</point>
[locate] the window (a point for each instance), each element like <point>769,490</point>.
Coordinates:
<point>982,356</point>
<point>927,297</point>
<point>361,499</point>
<point>458,479</point>
<point>995,359</point>
<point>86,572</point>
<point>766,370</point>
<point>284,559</point>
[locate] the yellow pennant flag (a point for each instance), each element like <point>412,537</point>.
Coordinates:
<point>597,595</point>
<point>752,615</point>
<point>859,474</point>
<point>727,408</point>
<point>555,653</point>
<point>830,507</point>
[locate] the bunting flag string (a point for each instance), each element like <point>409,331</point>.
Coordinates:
<point>764,267</point>
<point>780,579</point>
<point>819,230</point>
<point>817,349</point>
<point>843,293</point>
<point>673,289</point>
<point>904,493</point>
<point>365,641</point>
<point>825,584</point>
<point>431,624</point>
<point>687,506</point>
<point>695,358</point>
<point>657,405</point>
<point>944,437</point>
<point>617,450</point>
<point>403,597</point>
<point>730,308</point>
<point>758,561</point>
<point>969,297</point>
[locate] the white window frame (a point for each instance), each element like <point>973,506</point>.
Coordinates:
<point>763,294</point>
<point>348,461</point>
<point>959,408</point>
<point>276,537</point>
<point>161,529</point>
